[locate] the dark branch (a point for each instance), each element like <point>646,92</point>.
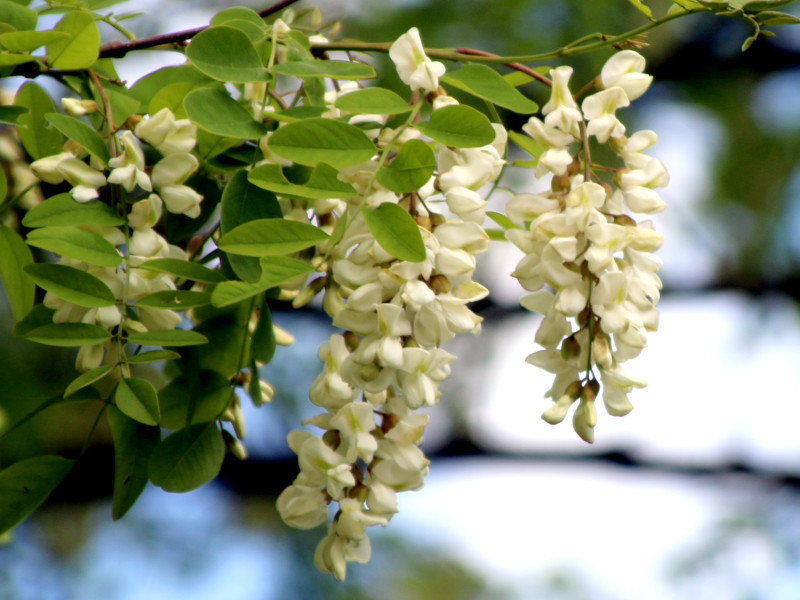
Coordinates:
<point>120,49</point>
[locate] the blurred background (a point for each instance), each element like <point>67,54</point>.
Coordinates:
<point>694,495</point>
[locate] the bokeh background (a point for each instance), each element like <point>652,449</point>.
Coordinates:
<point>694,495</point>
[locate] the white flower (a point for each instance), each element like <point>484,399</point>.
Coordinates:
<point>625,70</point>
<point>414,68</point>
<point>128,167</point>
<point>561,110</point>
<point>167,134</point>
<point>599,110</point>
<point>60,167</point>
<point>303,506</point>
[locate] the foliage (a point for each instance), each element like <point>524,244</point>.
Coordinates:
<point>162,219</point>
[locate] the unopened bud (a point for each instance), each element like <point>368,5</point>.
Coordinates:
<point>287,295</point>
<point>78,108</point>
<point>282,337</point>
<point>440,284</point>
<point>267,390</point>
<point>307,294</point>
<point>561,183</point>
<point>574,167</point>
<point>331,438</point>
<point>601,351</point>
<point>424,221</point>
<point>351,340</point>
<point>235,446</point>
<point>624,220</point>
<point>436,220</point>
<point>584,420</point>
<point>556,413</point>
<point>570,348</point>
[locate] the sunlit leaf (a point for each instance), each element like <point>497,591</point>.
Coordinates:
<point>333,69</point>
<point>460,126</point>
<point>315,141</point>
<point>410,169</point>
<point>81,49</point>
<point>76,243</point>
<point>486,83</point>
<point>275,270</point>
<point>63,210</point>
<point>215,111</point>
<point>271,237</point>
<point>226,54</point>
<point>81,133</point>
<point>322,183</point>
<point>395,231</point>
<point>373,101</point>
<point>37,136</point>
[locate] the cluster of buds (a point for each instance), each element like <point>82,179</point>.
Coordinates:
<point>143,193</point>
<point>589,264</point>
<point>389,361</point>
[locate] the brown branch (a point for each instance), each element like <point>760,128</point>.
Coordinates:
<point>516,66</point>
<point>120,49</point>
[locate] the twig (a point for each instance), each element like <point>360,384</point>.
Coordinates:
<point>120,49</point>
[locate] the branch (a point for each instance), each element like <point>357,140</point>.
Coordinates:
<point>120,49</point>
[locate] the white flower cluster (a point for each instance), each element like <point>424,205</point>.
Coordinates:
<point>174,139</point>
<point>389,362</point>
<point>588,264</point>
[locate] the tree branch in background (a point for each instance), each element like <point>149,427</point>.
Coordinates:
<point>120,49</point>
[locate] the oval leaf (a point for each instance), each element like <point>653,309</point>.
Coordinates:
<point>133,445</point>
<point>317,140</point>
<point>410,169</point>
<point>87,378</point>
<point>76,243</point>
<point>138,399</point>
<point>71,284</point>
<point>175,299</point>
<point>263,342</point>
<point>215,111</point>
<point>226,54</point>
<point>271,237</point>
<point>460,126</point>
<point>182,268</point>
<point>68,334</point>
<point>63,210</point>
<point>487,84</point>
<point>81,49</point>
<point>274,271</point>
<point>334,69</point>
<point>26,484</point>
<point>322,184</point>
<point>206,395</point>
<point>152,356</point>
<point>14,257</point>
<point>38,138</point>
<point>81,133</point>
<point>395,231</point>
<point>373,101</point>
<point>168,337</point>
<point>188,458</point>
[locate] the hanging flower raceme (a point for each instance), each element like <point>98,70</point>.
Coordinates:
<point>588,263</point>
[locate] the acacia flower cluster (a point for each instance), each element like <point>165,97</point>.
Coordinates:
<point>141,195</point>
<point>389,361</point>
<point>589,265</point>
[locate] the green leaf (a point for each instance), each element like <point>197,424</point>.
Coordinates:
<point>81,133</point>
<point>150,85</point>
<point>502,220</point>
<point>76,243</point>
<point>168,337</point>
<point>71,284</point>
<point>206,395</point>
<point>138,399</point>
<point>262,343</point>
<point>748,42</point>
<point>63,210</point>
<point>487,84</point>
<point>27,41</point>
<point>18,16</point>
<point>38,316</point>
<point>182,268</point>
<point>123,104</point>
<point>9,60</point>
<point>188,458</point>
<point>171,96</point>
<point>226,54</point>
<point>275,270</point>
<point>317,140</point>
<point>299,113</point>
<point>460,126</point>
<point>322,183</point>
<point>496,235</point>
<point>133,445</point>
<point>81,49</point>
<point>152,356</point>
<point>758,5</point>
<point>87,378</point>
<point>243,202</point>
<point>769,18</point>
<point>333,69</point>
<point>238,13</point>
<point>68,335</point>
<point>395,231</point>
<point>642,8</point>
<point>527,143</point>
<point>11,114</point>
<point>14,257</point>
<point>3,186</point>
<point>27,483</point>
<point>38,138</point>
<point>174,299</point>
<point>373,101</point>
<point>271,237</point>
<point>215,111</point>
<point>410,169</point>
